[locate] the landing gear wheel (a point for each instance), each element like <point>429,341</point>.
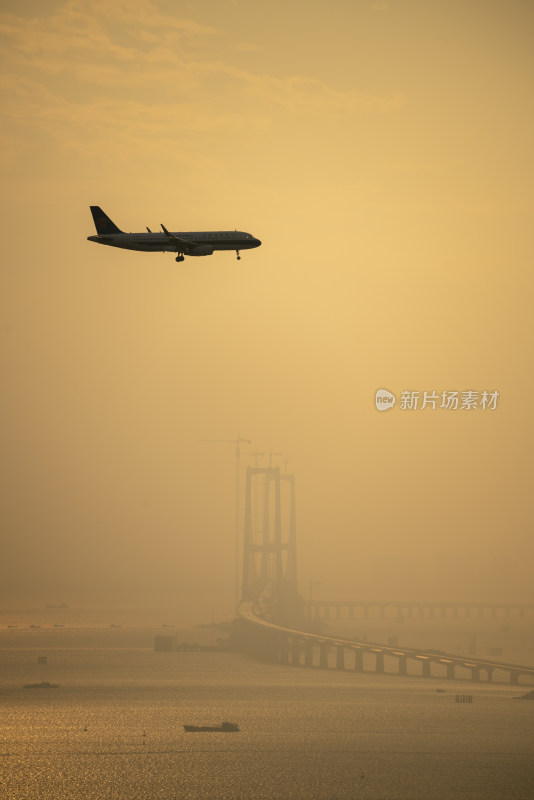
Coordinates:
<point>238,256</point>
<point>179,258</point>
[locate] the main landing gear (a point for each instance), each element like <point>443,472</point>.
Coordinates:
<point>238,256</point>
<point>179,258</point>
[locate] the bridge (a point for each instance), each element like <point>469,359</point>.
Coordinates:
<point>275,624</point>
<point>400,610</point>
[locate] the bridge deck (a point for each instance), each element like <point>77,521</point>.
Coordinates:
<point>249,613</point>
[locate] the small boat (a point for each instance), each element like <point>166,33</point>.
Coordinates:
<point>42,685</point>
<point>224,727</point>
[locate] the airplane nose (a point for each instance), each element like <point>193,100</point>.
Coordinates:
<point>257,242</point>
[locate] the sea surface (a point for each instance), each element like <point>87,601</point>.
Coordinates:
<point>114,727</point>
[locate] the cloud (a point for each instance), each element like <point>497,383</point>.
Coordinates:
<point>130,43</point>
<point>123,77</point>
<point>140,15</point>
<point>247,47</point>
<point>410,166</point>
<point>119,31</point>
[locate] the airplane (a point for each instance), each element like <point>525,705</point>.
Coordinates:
<point>200,243</point>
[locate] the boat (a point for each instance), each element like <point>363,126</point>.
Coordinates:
<point>224,727</point>
<point>42,685</point>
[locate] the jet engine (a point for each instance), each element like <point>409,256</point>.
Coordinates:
<point>202,250</point>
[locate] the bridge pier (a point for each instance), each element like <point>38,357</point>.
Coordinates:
<point>475,674</point>
<point>340,657</point>
<point>514,676</point>
<point>295,652</point>
<point>283,649</point>
<point>323,656</point>
<point>450,672</point>
<point>379,663</point>
<point>426,669</point>
<point>358,660</point>
<point>308,653</point>
<point>403,665</point>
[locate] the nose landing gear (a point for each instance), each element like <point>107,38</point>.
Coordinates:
<point>238,256</point>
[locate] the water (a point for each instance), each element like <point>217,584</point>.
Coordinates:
<point>319,735</point>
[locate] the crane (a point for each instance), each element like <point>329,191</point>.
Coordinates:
<point>271,454</point>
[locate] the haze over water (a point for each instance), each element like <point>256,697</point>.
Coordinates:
<point>306,734</point>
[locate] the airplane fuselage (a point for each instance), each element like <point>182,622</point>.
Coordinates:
<point>192,243</point>
<point>203,242</point>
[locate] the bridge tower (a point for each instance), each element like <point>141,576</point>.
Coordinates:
<point>270,544</point>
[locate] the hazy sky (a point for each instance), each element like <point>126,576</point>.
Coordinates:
<point>382,152</point>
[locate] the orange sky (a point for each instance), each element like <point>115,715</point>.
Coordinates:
<point>382,152</point>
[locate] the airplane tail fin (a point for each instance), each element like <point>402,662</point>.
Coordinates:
<point>103,224</point>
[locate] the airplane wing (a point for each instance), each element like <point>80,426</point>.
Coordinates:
<point>182,243</point>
